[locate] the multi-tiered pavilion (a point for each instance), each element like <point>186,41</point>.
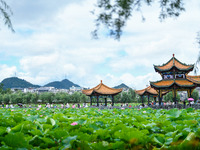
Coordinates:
<point>175,78</point>
<point>101,90</point>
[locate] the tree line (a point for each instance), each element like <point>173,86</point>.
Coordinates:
<point>9,97</point>
<point>46,97</point>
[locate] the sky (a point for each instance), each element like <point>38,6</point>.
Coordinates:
<point>52,41</point>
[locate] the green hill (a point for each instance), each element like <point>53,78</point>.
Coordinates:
<point>64,84</point>
<point>15,82</point>
<point>122,86</point>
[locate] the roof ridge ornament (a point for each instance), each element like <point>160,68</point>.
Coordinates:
<point>173,60</point>
<point>101,81</point>
<point>173,55</point>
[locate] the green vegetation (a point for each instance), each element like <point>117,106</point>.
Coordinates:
<point>195,95</point>
<point>169,97</point>
<point>46,97</point>
<point>6,97</point>
<point>91,128</point>
<point>122,86</point>
<point>64,84</point>
<point>15,82</point>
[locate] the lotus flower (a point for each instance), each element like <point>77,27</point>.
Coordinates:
<point>74,123</point>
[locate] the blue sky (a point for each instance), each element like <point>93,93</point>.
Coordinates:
<point>53,40</point>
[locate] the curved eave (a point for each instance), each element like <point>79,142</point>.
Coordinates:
<point>175,82</point>
<point>163,64</point>
<point>140,92</point>
<point>149,93</point>
<point>158,86</point>
<point>185,85</point>
<point>194,79</point>
<point>165,70</point>
<point>87,92</point>
<point>107,93</point>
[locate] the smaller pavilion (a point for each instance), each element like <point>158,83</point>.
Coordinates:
<point>149,91</point>
<point>101,90</point>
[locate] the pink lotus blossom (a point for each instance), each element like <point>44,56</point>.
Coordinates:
<point>40,115</point>
<point>123,108</point>
<point>113,112</point>
<point>37,108</point>
<point>98,109</point>
<point>28,115</point>
<point>25,110</point>
<point>12,110</point>
<point>138,109</point>
<point>74,123</point>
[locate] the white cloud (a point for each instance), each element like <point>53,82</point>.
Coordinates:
<point>6,71</point>
<point>54,41</point>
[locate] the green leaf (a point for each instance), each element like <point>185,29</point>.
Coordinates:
<point>117,145</point>
<point>66,142</point>
<point>159,139</point>
<point>59,134</point>
<point>52,122</point>
<point>36,141</point>
<point>36,132</point>
<point>15,140</point>
<point>2,130</point>
<point>168,141</point>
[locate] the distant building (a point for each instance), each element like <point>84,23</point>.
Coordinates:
<point>17,89</point>
<point>30,90</point>
<point>44,89</point>
<point>183,95</point>
<point>75,89</point>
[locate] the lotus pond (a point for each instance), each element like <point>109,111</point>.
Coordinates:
<point>107,129</point>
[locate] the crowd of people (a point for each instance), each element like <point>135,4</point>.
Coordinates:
<point>153,103</point>
<point>20,105</point>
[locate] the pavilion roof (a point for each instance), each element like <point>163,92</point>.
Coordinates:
<point>194,79</point>
<point>101,89</point>
<point>149,90</point>
<point>169,83</point>
<point>173,62</point>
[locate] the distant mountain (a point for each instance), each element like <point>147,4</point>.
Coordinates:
<point>122,86</point>
<point>64,84</point>
<point>15,82</point>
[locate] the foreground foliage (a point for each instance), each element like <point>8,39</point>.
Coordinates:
<point>90,128</point>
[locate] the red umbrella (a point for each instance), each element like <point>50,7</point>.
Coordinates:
<point>190,99</point>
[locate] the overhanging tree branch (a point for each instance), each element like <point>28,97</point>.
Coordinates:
<point>113,14</point>
<point>5,13</point>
